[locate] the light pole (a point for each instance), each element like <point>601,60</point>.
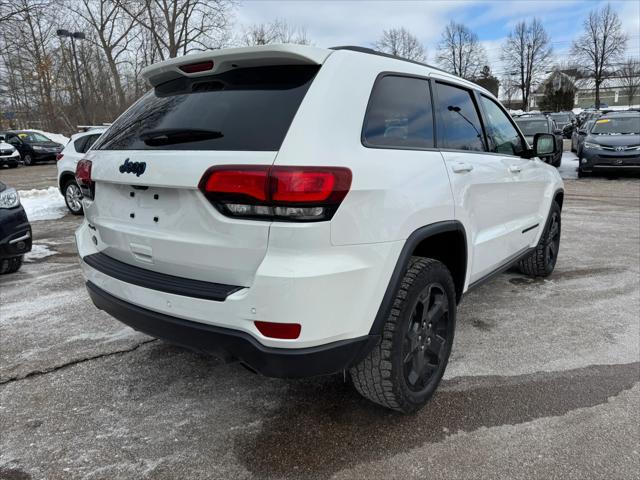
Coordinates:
<point>76,36</point>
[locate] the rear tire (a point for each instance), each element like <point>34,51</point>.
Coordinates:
<point>404,369</point>
<point>73,197</point>
<point>10,265</point>
<point>542,260</point>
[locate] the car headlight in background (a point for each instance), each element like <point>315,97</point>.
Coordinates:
<point>9,198</point>
<point>592,146</point>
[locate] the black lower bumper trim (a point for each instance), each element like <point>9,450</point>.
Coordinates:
<point>159,281</point>
<point>228,343</point>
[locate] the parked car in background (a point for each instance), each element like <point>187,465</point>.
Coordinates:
<point>9,155</point>
<point>310,211</point>
<point>612,145</point>
<point>565,122</point>
<point>579,134</point>
<point>15,230</point>
<point>33,146</point>
<point>530,125</point>
<point>67,160</point>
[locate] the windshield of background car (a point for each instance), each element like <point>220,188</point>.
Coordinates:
<point>30,137</point>
<point>617,126</point>
<point>531,127</point>
<point>560,117</point>
<point>247,109</point>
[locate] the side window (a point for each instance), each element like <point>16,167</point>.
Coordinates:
<point>91,139</point>
<point>503,136</point>
<point>461,128</point>
<point>79,144</point>
<point>399,114</point>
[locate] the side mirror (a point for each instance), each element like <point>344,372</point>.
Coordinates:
<point>544,144</point>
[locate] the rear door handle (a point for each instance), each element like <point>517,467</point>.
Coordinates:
<point>515,169</point>
<point>461,167</point>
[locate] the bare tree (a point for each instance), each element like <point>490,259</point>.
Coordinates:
<point>527,51</point>
<point>12,8</point>
<point>630,78</point>
<point>114,30</point>
<point>178,27</point>
<point>278,31</point>
<point>601,44</point>
<point>402,43</point>
<point>460,52</point>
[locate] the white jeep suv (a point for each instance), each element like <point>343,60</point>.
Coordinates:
<point>310,211</point>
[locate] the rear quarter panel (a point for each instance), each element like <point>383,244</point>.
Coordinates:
<point>393,192</point>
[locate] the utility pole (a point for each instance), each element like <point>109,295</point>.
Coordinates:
<point>77,36</point>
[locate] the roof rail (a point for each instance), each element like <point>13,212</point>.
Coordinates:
<point>371,51</point>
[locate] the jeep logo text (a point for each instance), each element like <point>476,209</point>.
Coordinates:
<point>133,167</point>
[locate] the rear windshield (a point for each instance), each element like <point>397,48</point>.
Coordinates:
<point>243,109</point>
<point>531,127</point>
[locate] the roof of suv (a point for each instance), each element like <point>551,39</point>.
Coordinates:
<point>217,61</point>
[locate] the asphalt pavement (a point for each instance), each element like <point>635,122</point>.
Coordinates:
<point>543,382</point>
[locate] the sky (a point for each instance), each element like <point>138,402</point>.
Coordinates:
<point>331,23</point>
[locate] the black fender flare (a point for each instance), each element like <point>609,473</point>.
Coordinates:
<point>400,269</point>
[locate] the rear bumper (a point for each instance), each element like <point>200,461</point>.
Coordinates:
<point>233,344</point>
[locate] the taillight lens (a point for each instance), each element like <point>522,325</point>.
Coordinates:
<point>285,331</point>
<point>301,194</point>
<point>59,156</point>
<point>197,67</point>
<point>83,178</point>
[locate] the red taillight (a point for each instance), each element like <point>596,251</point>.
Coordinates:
<point>197,67</point>
<point>59,156</point>
<point>302,186</point>
<point>239,182</point>
<point>285,331</point>
<point>83,178</point>
<point>278,193</point>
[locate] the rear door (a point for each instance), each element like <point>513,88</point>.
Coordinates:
<point>528,181</point>
<point>480,181</point>
<point>148,210</point>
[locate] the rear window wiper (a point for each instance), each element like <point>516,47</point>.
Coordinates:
<point>170,136</point>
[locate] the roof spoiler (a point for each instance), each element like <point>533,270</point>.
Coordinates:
<point>217,61</point>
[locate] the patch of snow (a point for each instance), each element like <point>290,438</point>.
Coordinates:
<point>569,167</point>
<point>56,137</point>
<point>43,204</point>
<point>37,252</point>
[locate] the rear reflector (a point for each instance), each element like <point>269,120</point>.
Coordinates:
<point>59,156</point>
<point>83,178</point>
<point>278,192</point>
<point>285,331</point>
<point>197,67</point>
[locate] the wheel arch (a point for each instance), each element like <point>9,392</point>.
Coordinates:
<point>64,178</point>
<point>443,241</point>
<point>558,197</point>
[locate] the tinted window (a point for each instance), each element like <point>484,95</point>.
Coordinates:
<point>91,139</point>
<point>461,129</point>
<point>243,109</point>
<point>531,127</point>
<point>79,144</point>
<point>399,114</point>
<point>503,136</point>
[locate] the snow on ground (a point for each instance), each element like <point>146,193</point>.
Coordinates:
<point>56,137</point>
<point>37,252</point>
<point>569,168</point>
<point>43,204</point>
